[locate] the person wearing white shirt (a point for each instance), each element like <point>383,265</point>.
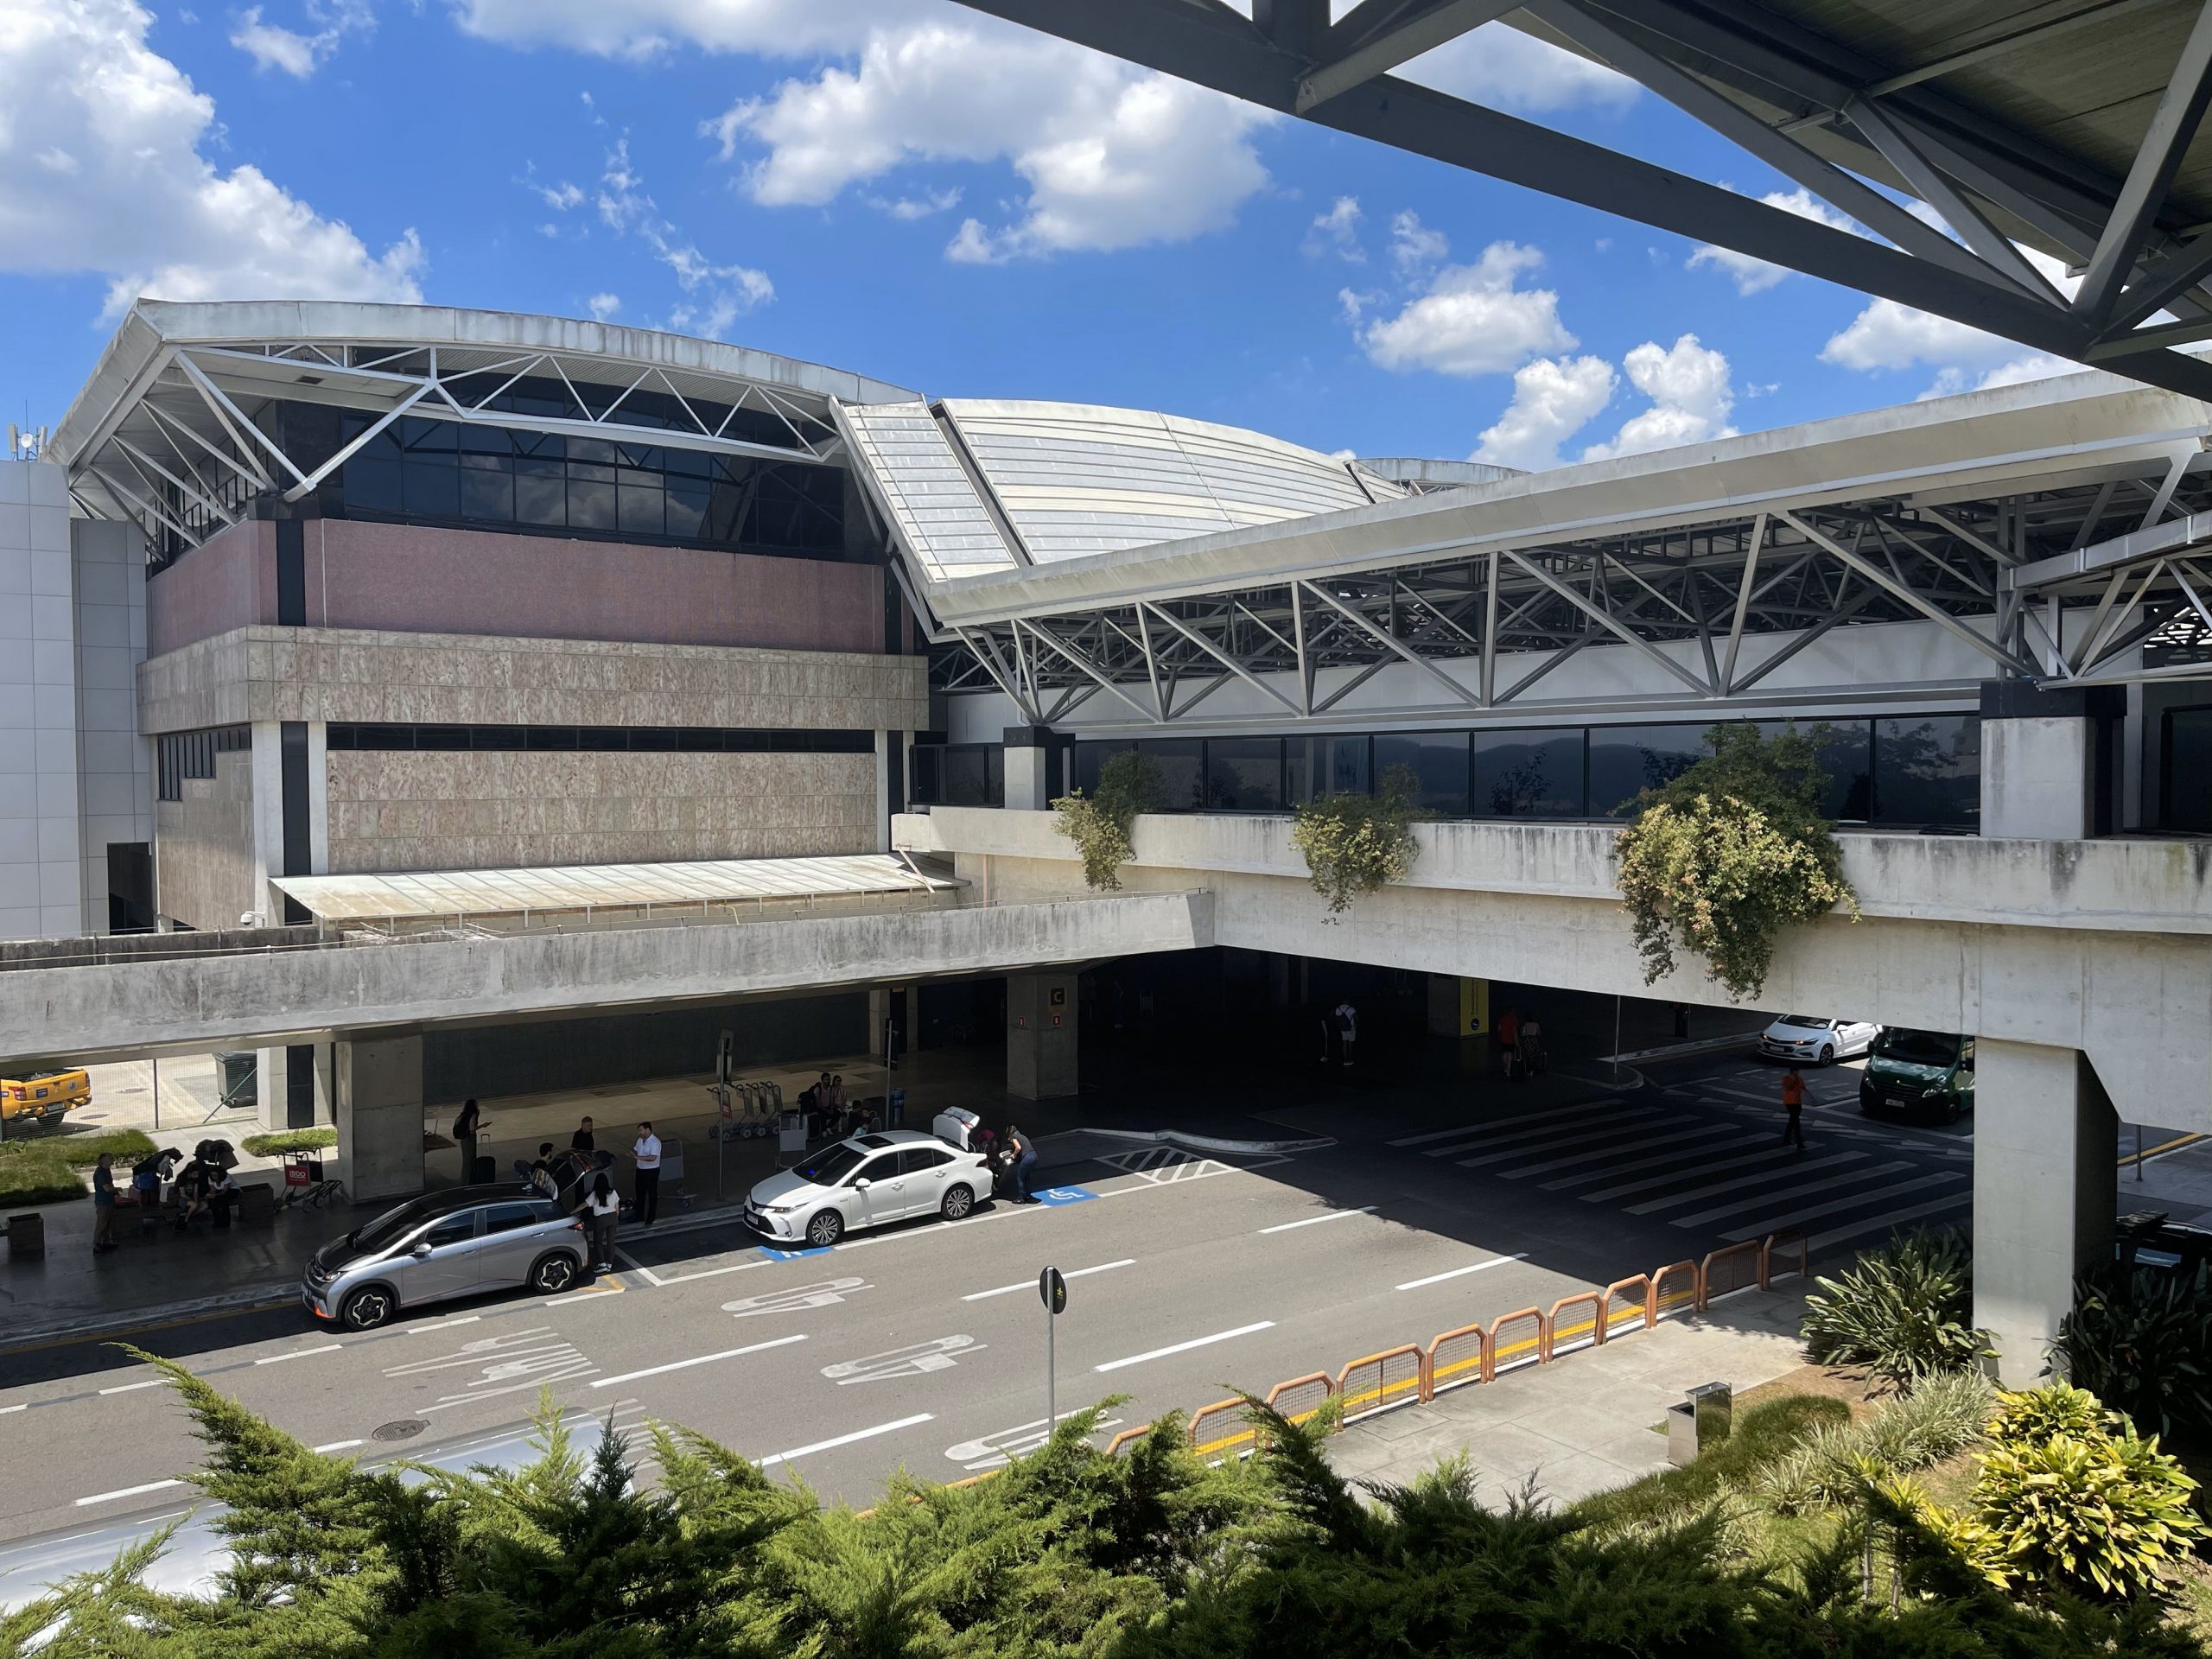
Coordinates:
<point>647,1151</point>
<point>598,1209</point>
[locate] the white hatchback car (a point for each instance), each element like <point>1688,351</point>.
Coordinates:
<point>1815,1037</point>
<point>866,1181</point>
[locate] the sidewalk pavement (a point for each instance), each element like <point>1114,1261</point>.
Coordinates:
<point>1584,1423</point>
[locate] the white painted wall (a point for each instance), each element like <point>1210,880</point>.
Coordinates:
<point>115,765</point>
<point>41,870</point>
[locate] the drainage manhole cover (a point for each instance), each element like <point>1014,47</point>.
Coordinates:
<point>405,1429</point>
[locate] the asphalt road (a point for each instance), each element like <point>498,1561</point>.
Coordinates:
<point>925,1344</point>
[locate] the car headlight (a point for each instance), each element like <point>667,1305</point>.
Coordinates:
<point>777,1208</point>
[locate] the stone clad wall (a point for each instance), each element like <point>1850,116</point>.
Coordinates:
<point>205,877</point>
<point>397,810</point>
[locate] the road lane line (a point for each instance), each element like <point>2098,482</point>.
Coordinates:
<point>1707,1135</point>
<point>443,1325</point>
<point>1564,1140</point>
<point>127,1491</point>
<point>1504,1137</point>
<point>1889,1222</point>
<point>703,1359</point>
<point>126,1388</point>
<point>1766,1196</point>
<point>1185,1347</point>
<point>1030,1284</point>
<point>1315,1221</point>
<point>1510,1120</point>
<point>4,1410</point>
<point>300,1353</point>
<point>709,1273</point>
<point>636,1266</point>
<point>1771,1165</point>
<point>1461,1273</point>
<point>1701,1163</point>
<point>1856,1199</point>
<point>848,1439</point>
<point>340,1445</point>
<point>1433,1135</point>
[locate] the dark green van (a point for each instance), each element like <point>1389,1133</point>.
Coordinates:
<point>1920,1073</point>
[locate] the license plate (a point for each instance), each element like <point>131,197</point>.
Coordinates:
<point>1897,1100</point>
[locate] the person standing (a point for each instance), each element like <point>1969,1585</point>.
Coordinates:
<point>1347,1029</point>
<point>465,1128</point>
<point>647,1151</point>
<point>1508,1042</point>
<point>581,1140</point>
<point>541,1171</point>
<point>1025,1160</point>
<point>1793,1102</point>
<point>104,1206</point>
<point>600,1208</point>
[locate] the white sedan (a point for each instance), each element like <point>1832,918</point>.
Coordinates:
<point>1815,1037</point>
<point>866,1181</point>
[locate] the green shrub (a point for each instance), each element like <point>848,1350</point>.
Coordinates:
<point>1945,1413</point>
<point>1355,843</point>
<point>2142,1341</point>
<point>1128,784</point>
<point>35,1174</point>
<point>1723,857</point>
<point>2065,1504</point>
<point>282,1141</point>
<point>1902,1311</point>
<point>1761,1437</point>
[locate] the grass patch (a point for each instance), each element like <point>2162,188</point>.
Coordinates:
<point>283,1140</point>
<point>83,1151</point>
<point>1763,1435</point>
<point>36,1175</point>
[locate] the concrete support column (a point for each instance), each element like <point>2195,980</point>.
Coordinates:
<point>267,760</point>
<point>293,1089</point>
<point>381,1116</point>
<point>1040,1036</point>
<point>2041,778</point>
<point>1028,774</point>
<point>2046,1143</point>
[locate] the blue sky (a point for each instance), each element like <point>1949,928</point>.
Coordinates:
<point>903,189</point>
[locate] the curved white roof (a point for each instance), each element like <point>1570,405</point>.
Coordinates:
<point>972,486</point>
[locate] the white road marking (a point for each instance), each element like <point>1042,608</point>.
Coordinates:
<point>443,1325</point>
<point>847,1440</point>
<point>1315,1221</point>
<point>1893,1218</point>
<point>300,1353</point>
<point>708,1273</point>
<point>1433,1135</point>
<point>826,1293</point>
<point>1765,1155</point>
<point>636,1266</point>
<point>340,1445</point>
<point>1567,1140</point>
<point>127,1491</point>
<point>1739,1204</point>
<point>915,1359</point>
<point>1677,1136</point>
<point>1504,1135</point>
<point>126,1388</point>
<point>1031,1284</point>
<point>4,1410</point>
<point>1773,1160</point>
<point>1798,1217</point>
<point>992,1451</point>
<point>1185,1347</point>
<point>1461,1273</point>
<point>703,1359</point>
<point>531,1358</point>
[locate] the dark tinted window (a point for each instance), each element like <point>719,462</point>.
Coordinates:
<point>505,1217</point>
<point>1089,759</point>
<point>1529,774</point>
<point>2188,770</point>
<point>1928,771</point>
<point>1244,774</point>
<point>1179,760</point>
<point>881,1168</point>
<point>828,1168</point>
<point>914,1160</point>
<point>457,1229</point>
<point>1439,762</point>
<point>395,1225</point>
<point>1625,760</point>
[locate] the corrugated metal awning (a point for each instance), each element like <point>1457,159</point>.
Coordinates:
<point>433,894</point>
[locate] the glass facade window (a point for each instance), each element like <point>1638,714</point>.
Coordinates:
<point>1439,763</point>
<point>1531,774</point>
<point>2186,770</point>
<point>1090,759</point>
<point>973,774</point>
<point>1181,762</point>
<point>1928,771</point>
<point>182,755</point>
<point>1626,760</point>
<point>443,472</point>
<point>1847,755</point>
<point>1244,774</point>
<point>1341,765</point>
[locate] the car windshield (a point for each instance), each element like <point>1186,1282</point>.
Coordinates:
<point>1918,1047</point>
<point>1810,1022</point>
<point>831,1166</point>
<point>393,1225</point>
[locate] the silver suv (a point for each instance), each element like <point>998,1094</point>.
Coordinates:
<point>447,1244</point>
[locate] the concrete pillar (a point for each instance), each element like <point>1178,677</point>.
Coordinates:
<point>268,764</point>
<point>1040,1036</point>
<point>2046,1143</point>
<point>379,1088</point>
<point>1027,768</point>
<point>2039,759</point>
<point>293,1088</point>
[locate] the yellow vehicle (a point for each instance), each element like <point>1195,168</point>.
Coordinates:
<point>43,1097</point>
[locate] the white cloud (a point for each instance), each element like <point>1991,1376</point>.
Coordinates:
<point>119,185</point>
<point>714,296</point>
<point>1337,232</point>
<point>561,197</point>
<point>645,28</point>
<point>1416,249</point>
<point>274,46</point>
<point>1755,275</point>
<point>1471,320</point>
<point>1553,398</point>
<point>1507,70</point>
<point>603,306</point>
<point>1691,398</point>
<point>927,205</point>
<point>1887,336</point>
<point>1113,157</point>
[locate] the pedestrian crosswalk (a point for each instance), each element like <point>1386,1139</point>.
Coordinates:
<point>1715,1168</point>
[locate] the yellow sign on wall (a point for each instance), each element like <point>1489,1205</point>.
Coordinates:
<point>1474,1007</point>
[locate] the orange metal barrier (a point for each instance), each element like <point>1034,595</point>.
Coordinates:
<point>1584,1331</point>
<point>1221,1431</point>
<point>1794,1251</point>
<point>1628,1306</point>
<point>1127,1437</point>
<point>1505,1351</point>
<point>1674,1288</point>
<point>1458,1357</point>
<point>1734,1268</point>
<point>1301,1397</point>
<point>1376,1382</point>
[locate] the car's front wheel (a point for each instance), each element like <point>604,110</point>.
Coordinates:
<point>369,1307</point>
<point>958,1201</point>
<point>825,1229</point>
<point>553,1272</point>
<point>1827,1053</point>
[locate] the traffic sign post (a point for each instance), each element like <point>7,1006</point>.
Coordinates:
<point>1052,1290</point>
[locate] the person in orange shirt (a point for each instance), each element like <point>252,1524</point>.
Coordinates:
<point>1508,1042</point>
<point>1793,1102</point>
